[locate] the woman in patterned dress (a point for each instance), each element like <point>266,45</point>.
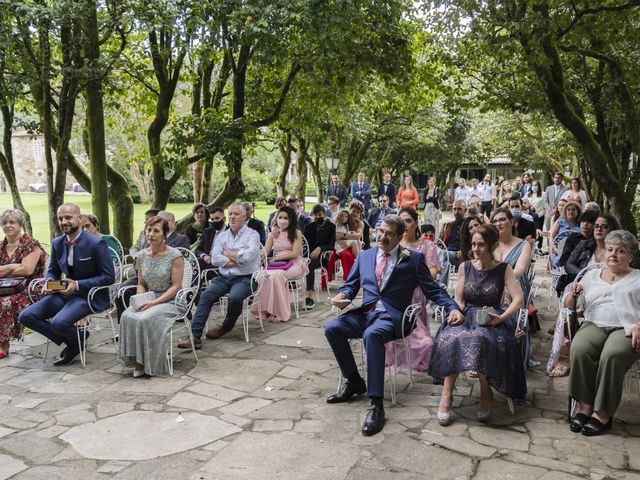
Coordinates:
<point>20,256</point>
<point>420,340</point>
<point>144,333</point>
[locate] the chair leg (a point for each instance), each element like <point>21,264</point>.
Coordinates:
<point>245,324</point>
<point>511,407</point>
<point>46,351</point>
<point>170,353</point>
<point>187,324</point>
<point>83,344</point>
<point>113,332</point>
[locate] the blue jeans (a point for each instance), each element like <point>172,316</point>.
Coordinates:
<point>238,288</point>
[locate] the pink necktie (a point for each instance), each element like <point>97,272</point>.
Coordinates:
<point>380,268</point>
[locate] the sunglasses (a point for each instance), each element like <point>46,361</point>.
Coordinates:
<point>601,226</point>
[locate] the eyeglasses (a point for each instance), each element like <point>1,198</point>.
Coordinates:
<point>601,226</point>
<point>499,220</point>
<point>381,232</point>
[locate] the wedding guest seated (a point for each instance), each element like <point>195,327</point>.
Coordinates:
<point>203,250</point>
<point>428,231</point>
<point>21,258</point>
<point>347,245</point>
<point>199,225</point>
<point>321,238</point>
<point>142,239</point>
<point>567,222</point>
<point>483,342</point>
<point>256,224</point>
<point>468,228</point>
<point>334,206</point>
<point>357,218</point>
<point>589,251</point>
<point>278,204</point>
<point>236,254</point>
<point>378,213</point>
<point>450,234</point>
<point>146,324</point>
<point>420,341</point>
<point>607,343</point>
<point>82,261</point>
<point>388,276</point>
<point>525,228</point>
<point>91,225</point>
<point>285,241</point>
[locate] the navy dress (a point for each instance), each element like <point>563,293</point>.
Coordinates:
<point>492,351</point>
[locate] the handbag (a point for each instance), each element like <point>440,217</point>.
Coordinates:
<point>11,286</point>
<point>280,265</point>
<point>572,324</point>
<point>140,298</point>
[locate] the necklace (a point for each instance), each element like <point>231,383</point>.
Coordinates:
<point>613,277</point>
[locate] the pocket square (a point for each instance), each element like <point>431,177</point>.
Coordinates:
<point>85,259</point>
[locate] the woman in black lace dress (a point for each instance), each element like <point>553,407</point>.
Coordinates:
<point>492,349</point>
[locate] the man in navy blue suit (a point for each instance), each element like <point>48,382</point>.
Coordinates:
<point>361,190</point>
<point>388,276</point>
<point>82,260</point>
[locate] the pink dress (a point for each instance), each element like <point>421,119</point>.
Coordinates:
<point>420,340</point>
<point>274,295</point>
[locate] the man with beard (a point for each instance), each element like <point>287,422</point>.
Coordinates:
<point>450,234</point>
<point>80,261</point>
<point>388,275</point>
<point>321,237</point>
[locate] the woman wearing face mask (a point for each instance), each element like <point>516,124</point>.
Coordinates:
<point>285,240</point>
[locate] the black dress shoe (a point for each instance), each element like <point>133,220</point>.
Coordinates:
<point>68,356</point>
<point>595,427</point>
<point>348,390</point>
<point>374,421</point>
<point>578,421</point>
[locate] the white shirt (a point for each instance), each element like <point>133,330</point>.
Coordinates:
<point>246,243</point>
<point>486,192</point>
<point>392,259</point>
<point>462,193</point>
<point>70,249</point>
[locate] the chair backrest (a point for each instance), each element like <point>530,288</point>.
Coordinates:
<point>443,255</point>
<point>593,266</point>
<point>410,316</point>
<point>191,274</point>
<point>305,247</point>
<point>257,279</point>
<point>117,265</point>
<point>120,253</point>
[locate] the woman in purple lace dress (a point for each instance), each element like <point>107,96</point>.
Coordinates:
<point>420,340</point>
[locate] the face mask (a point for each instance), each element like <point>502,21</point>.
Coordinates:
<point>218,224</point>
<point>534,188</point>
<point>320,221</point>
<point>283,223</point>
<point>516,212</point>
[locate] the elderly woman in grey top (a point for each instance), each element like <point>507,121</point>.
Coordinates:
<point>607,343</point>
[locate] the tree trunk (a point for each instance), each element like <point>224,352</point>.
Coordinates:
<point>205,193</point>
<point>314,165</point>
<point>286,149</point>
<point>95,119</point>
<point>234,186</point>
<point>355,156</point>
<point>300,188</point>
<point>8,169</point>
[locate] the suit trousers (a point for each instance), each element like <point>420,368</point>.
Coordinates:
<point>55,316</point>
<point>600,358</point>
<point>313,265</point>
<point>376,329</point>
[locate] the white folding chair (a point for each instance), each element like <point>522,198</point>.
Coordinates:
<point>299,284</point>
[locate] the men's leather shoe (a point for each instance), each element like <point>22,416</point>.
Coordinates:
<point>374,421</point>
<point>68,356</point>
<point>348,390</point>
<point>186,343</point>
<point>215,333</point>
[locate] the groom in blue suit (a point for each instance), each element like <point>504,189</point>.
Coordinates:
<point>388,275</point>
<point>83,260</point>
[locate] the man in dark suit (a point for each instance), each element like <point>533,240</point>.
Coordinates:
<point>388,275</point>
<point>552,196</point>
<point>378,213</point>
<point>298,207</point>
<point>321,237</point>
<point>361,190</point>
<point>84,262</point>
<point>203,250</point>
<point>336,189</point>
<point>389,189</point>
<point>254,223</point>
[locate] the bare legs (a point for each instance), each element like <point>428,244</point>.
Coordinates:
<point>446,399</point>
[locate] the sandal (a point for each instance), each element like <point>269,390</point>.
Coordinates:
<point>595,427</point>
<point>559,372</point>
<point>578,421</point>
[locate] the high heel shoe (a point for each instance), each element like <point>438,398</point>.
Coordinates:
<point>444,418</point>
<point>484,415</point>
<point>138,373</point>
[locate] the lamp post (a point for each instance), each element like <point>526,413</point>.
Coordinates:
<point>332,164</point>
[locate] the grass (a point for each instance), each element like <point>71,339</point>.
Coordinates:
<point>36,205</point>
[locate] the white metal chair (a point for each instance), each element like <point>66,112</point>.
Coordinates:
<point>400,346</point>
<point>448,273</point>
<point>299,284</point>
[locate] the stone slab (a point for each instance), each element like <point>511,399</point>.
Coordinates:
<point>5,431</point>
<point>215,391</point>
<point>108,409</point>
<point>195,402</point>
<point>500,438</point>
<point>496,469</point>
<point>246,405</point>
<point>9,466</point>
<point>30,403</point>
<point>244,376</point>
<point>303,337</point>
<point>278,457</point>
<point>114,438</point>
<point>272,425</point>
<point>458,444</point>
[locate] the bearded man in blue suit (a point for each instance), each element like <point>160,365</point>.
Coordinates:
<point>84,262</point>
<point>388,276</point>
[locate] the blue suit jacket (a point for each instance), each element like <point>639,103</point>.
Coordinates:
<point>364,194</point>
<point>397,293</point>
<point>92,266</point>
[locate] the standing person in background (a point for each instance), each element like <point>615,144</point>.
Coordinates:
<point>199,225</point>
<point>361,191</point>
<point>576,193</point>
<point>486,195</point>
<point>504,194</point>
<point>462,191</point>
<point>474,191</point>
<point>407,194</point>
<point>553,194</point>
<point>526,184</point>
<point>497,190</point>
<point>389,189</point>
<point>336,189</point>
<point>254,223</point>
<point>431,200</point>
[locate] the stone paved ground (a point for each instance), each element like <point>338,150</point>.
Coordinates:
<point>256,411</point>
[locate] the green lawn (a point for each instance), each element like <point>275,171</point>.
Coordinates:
<point>36,205</point>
